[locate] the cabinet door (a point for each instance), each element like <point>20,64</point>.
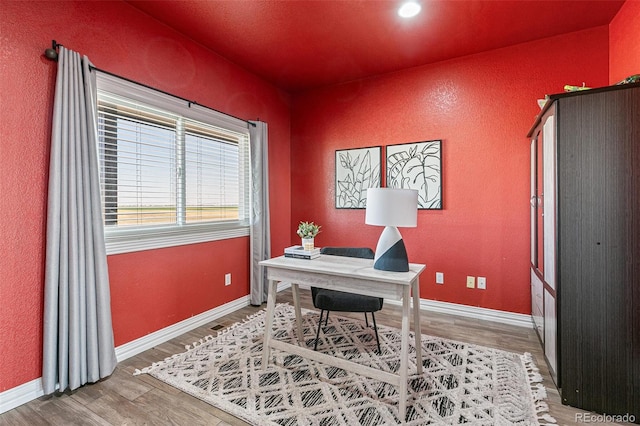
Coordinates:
<point>537,304</point>
<point>551,334</point>
<point>540,200</point>
<point>533,202</point>
<point>549,204</point>
<point>549,240</point>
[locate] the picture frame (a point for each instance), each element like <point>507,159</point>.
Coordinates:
<point>357,169</point>
<point>417,165</point>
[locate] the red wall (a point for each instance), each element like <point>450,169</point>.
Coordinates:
<point>624,42</point>
<point>150,289</point>
<point>481,106</point>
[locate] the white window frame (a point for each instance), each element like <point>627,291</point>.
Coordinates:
<point>125,240</point>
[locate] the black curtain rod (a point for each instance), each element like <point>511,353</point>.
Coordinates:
<point>52,54</point>
<point>92,68</point>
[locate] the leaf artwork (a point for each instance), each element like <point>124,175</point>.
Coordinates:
<point>356,171</point>
<point>417,166</point>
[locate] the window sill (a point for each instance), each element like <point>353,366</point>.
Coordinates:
<point>132,240</point>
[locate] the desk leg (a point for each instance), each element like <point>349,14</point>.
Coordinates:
<point>296,305</point>
<point>415,289</point>
<point>404,354</point>
<point>268,326</point>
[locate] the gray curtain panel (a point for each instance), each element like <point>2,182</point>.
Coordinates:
<point>78,343</point>
<point>260,225</point>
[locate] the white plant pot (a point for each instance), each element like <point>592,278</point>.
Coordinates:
<point>307,244</point>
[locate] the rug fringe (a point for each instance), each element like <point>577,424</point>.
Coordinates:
<point>200,342</point>
<point>538,391</point>
<point>251,318</point>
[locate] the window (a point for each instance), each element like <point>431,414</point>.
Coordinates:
<point>171,172</point>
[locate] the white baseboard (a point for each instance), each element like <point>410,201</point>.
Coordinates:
<point>29,391</point>
<point>504,317</point>
<point>19,395</point>
<point>158,337</point>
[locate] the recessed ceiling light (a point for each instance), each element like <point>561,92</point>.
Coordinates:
<point>409,9</point>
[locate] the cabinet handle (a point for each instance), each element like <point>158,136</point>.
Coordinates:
<point>535,201</point>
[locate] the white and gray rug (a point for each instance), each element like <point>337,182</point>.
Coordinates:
<point>461,383</point>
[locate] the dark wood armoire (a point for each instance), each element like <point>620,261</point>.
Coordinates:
<point>585,245</point>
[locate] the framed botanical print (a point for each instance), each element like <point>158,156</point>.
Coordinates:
<point>356,170</point>
<point>417,165</point>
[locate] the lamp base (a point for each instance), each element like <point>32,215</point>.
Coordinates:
<point>391,254</point>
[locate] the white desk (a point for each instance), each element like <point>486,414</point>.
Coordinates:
<point>352,275</point>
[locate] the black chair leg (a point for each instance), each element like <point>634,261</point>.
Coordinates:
<point>315,346</point>
<point>326,321</point>
<point>375,328</point>
<point>366,319</point>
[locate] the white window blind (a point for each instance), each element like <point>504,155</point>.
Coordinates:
<point>170,172</point>
<point>212,176</point>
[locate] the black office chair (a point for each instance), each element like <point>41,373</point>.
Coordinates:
<point>340,301</point>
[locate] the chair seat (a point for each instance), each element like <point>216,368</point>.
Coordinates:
<point>340,301</point>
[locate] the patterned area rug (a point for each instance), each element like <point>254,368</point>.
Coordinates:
<point>461,384</point>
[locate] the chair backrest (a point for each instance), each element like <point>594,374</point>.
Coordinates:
<point>361,252</point>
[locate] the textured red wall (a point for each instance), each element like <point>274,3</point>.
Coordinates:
<point>481,106</point>
<point>174,283</point>
<point>624,42</point>
<point>150,289</point>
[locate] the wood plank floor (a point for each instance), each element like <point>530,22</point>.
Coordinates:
<point>124,399</point>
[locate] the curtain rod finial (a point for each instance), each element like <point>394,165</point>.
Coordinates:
<point>52,52</point>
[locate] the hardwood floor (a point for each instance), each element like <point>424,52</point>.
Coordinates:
<point>124,399</point>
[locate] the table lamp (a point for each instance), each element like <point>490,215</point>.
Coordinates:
<point>391,207</point>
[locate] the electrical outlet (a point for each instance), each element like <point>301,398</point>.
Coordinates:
<point>439,277</point>
<point>482,283</point>
<point>227,279</point>
<point>471,282</point>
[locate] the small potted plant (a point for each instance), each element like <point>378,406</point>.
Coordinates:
<point>308,231</point>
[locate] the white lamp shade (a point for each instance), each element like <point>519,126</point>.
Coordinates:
<point>392,207</point>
